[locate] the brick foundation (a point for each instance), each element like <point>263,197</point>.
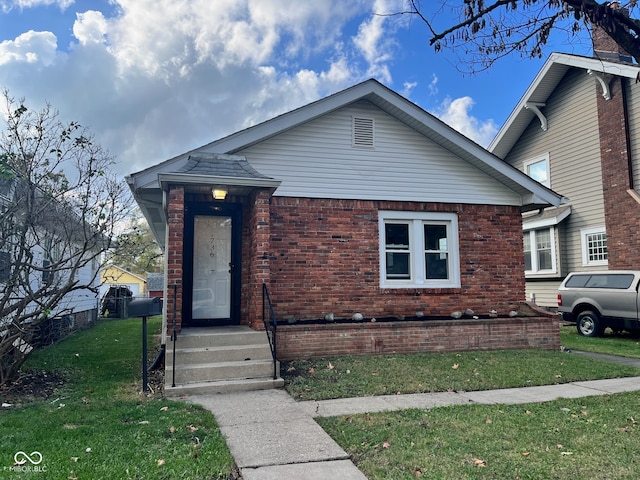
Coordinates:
<point>313,341</point>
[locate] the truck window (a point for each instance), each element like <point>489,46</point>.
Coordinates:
<point>620,281</point>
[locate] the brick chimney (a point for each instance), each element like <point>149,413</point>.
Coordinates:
<point>604,47</point>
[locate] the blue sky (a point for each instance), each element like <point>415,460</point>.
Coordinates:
<point>153,79</point>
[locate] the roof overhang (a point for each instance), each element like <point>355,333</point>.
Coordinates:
<point>543,86</point>
<point>546,218</point>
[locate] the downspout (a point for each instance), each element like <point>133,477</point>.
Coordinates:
<point>627,134</point>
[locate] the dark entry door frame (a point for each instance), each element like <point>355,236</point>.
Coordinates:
<point>216,209</point>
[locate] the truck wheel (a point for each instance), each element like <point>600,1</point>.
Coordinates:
<point>588,324</point>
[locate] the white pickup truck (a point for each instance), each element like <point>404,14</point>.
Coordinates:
<point>596,300</point>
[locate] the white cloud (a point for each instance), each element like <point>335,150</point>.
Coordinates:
<point>90,27</point>
<point>433,85</point>
<point>457,114</point>
<point>8,5</point>
<point>155,78</point>
<point>30,47</point>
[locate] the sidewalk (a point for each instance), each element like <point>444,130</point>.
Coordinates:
<point>273,437</point>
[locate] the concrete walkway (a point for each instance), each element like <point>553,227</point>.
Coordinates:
<point>273,437</point>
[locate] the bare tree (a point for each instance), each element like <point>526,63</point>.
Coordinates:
<point>136,249</point>
<point>60,206</point>
<point>488,30</point>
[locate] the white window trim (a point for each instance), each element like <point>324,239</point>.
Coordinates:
<point>417,267</point>
<point>585,246</point>
<point>534,250</point>
<point>537,159</point>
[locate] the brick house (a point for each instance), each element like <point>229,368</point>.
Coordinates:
<point>577,130</point>
<point>360,203</point>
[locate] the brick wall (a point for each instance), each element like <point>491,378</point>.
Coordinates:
<point>309,341</point>
<point>622,212</point>
<point>324,257</point>
<point>174,253</point>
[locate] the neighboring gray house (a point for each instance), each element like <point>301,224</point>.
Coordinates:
<point>577,131</point>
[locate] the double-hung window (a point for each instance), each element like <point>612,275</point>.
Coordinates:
<point>539,251</point>
<point>419,250</point>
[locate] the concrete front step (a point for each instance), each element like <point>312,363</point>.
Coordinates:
<point>225,336</point>
<point>220,359</point>
<point>202,372</point>
<point>223,386</point>
<point>188,356</point>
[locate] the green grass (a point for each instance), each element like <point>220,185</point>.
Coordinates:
<point>593,437</point>
<point>355,376</point>
<point>621,344</point>
<point>101,426</point>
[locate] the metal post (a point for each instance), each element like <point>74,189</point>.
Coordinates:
<point>174,334</point>
<point>145,386</point>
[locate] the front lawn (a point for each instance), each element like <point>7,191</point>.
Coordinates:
<point>98,425</point>
<point>593,437</point>
<point>622,344</point>
<point>357,376</point>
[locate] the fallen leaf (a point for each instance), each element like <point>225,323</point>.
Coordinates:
<point>488,421</point>
<point>479,463</point>
<point>330,366</point>
<point>584,412</point>
<point>160,462</point>
<point>573,415</point>
<point>164,409</point>
<point>455,366</point>
<point>526,454</point>
<point>417,473</point>
<point>386,444</point>
<point>172,429</point>
<point>559,446</point>
<point>291,369</point>
<point>528,412</point>
<point>312,370</point>
<point>191,428</point>
<point>376,374</point>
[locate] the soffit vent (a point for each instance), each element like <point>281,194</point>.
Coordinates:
<point>363,132</point>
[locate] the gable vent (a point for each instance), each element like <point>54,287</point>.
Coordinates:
<point>363,132</point>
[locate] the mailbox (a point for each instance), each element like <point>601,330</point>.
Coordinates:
<point>145,307</point>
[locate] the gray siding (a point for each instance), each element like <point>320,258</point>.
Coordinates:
<point>572,142</point>
<point>545,293</point>
<point>317,160</point>
<point>633,103</point>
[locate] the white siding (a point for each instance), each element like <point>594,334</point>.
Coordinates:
<point>317,160</point>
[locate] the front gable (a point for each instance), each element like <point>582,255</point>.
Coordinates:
<point>319,159</point>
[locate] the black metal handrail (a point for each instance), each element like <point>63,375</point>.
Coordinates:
<point>174,336</point>
<point>270,325</point>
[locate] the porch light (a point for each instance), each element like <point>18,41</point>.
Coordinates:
<point>219,193</point>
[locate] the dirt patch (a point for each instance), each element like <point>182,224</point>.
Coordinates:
<point>32,385</point>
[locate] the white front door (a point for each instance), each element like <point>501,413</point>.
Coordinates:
<point>211,267</point>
